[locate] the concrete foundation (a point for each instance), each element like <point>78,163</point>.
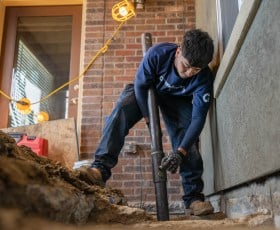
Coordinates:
<point>260,198</point>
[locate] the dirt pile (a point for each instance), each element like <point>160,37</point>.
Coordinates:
<point>39,186</point>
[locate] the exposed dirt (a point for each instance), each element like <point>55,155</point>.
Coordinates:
<point>15,219</point>
<point>40,186</point>
<point>38,193</point>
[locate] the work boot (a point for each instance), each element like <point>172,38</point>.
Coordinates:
<point>91,176</point>
<point>200,208</point>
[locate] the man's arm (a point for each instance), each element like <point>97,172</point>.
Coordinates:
<point>201,103</point>
<point>173,160</point>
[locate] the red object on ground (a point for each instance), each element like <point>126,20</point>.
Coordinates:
<point>37,144</point>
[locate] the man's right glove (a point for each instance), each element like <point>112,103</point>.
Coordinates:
<point>172,161</point>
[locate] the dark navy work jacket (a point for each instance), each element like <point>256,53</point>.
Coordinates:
<point>157,68</point>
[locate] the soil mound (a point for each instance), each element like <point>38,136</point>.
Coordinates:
<point>39,186</point>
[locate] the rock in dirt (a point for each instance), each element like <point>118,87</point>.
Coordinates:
<point>39,186</point>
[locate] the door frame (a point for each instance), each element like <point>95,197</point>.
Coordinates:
<point>6,3</point>
<point>8,48</point>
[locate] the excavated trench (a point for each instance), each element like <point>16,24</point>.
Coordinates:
<point>38,193</point>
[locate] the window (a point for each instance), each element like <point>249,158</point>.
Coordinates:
<point>227,14</point>
<point>41,53</point>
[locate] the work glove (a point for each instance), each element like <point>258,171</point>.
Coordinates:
<point>172,161</point>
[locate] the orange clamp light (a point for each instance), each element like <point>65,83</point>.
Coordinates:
<point>23,105</point>
<point>42,117</point>
<point>123,11</point>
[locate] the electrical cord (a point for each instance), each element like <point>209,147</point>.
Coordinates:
<point>102,50</point>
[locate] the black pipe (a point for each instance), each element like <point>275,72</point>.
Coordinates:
<point>159,177</point>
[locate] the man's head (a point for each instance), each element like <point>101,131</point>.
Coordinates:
<point>194,54</point>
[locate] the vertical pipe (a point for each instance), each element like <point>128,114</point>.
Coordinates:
<point>159,177</point>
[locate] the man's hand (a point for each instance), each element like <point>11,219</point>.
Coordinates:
<point>172,161</point>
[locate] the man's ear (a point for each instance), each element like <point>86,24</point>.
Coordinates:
<point>178,51</point>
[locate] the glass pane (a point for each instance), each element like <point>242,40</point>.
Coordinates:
<point>41,65</point>
<point>229,12</point>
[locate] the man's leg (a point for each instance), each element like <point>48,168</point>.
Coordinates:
<point>191,171</point>
<point>124,116</point>
<point>177,114</point>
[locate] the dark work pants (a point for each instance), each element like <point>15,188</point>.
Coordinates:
<point>176,112</point>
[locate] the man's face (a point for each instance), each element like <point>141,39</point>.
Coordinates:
<point>184,69</point>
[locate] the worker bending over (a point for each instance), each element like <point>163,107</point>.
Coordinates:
<point>183,84</point>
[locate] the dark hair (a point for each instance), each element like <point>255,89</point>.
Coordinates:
<point>197,48</point>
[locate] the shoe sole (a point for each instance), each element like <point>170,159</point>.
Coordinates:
<point>202,212</point>
<point>90,177</point>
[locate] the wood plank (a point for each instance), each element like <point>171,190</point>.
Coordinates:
<point>61,136</point>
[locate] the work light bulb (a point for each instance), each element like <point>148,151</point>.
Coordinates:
<point>42,116</point>
<point>123,11</point>
<point>23,105</point>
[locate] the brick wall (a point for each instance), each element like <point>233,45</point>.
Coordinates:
<point>166,20</point>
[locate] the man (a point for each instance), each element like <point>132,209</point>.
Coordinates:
<point>183,84</point>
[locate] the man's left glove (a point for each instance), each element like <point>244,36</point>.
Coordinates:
<point>172,161</point>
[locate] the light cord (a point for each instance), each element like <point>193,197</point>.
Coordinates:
<point>101,51</point>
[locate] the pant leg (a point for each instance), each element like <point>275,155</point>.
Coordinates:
<point>177,114</point>
<point>123,117</point>
<point>191,171</point>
